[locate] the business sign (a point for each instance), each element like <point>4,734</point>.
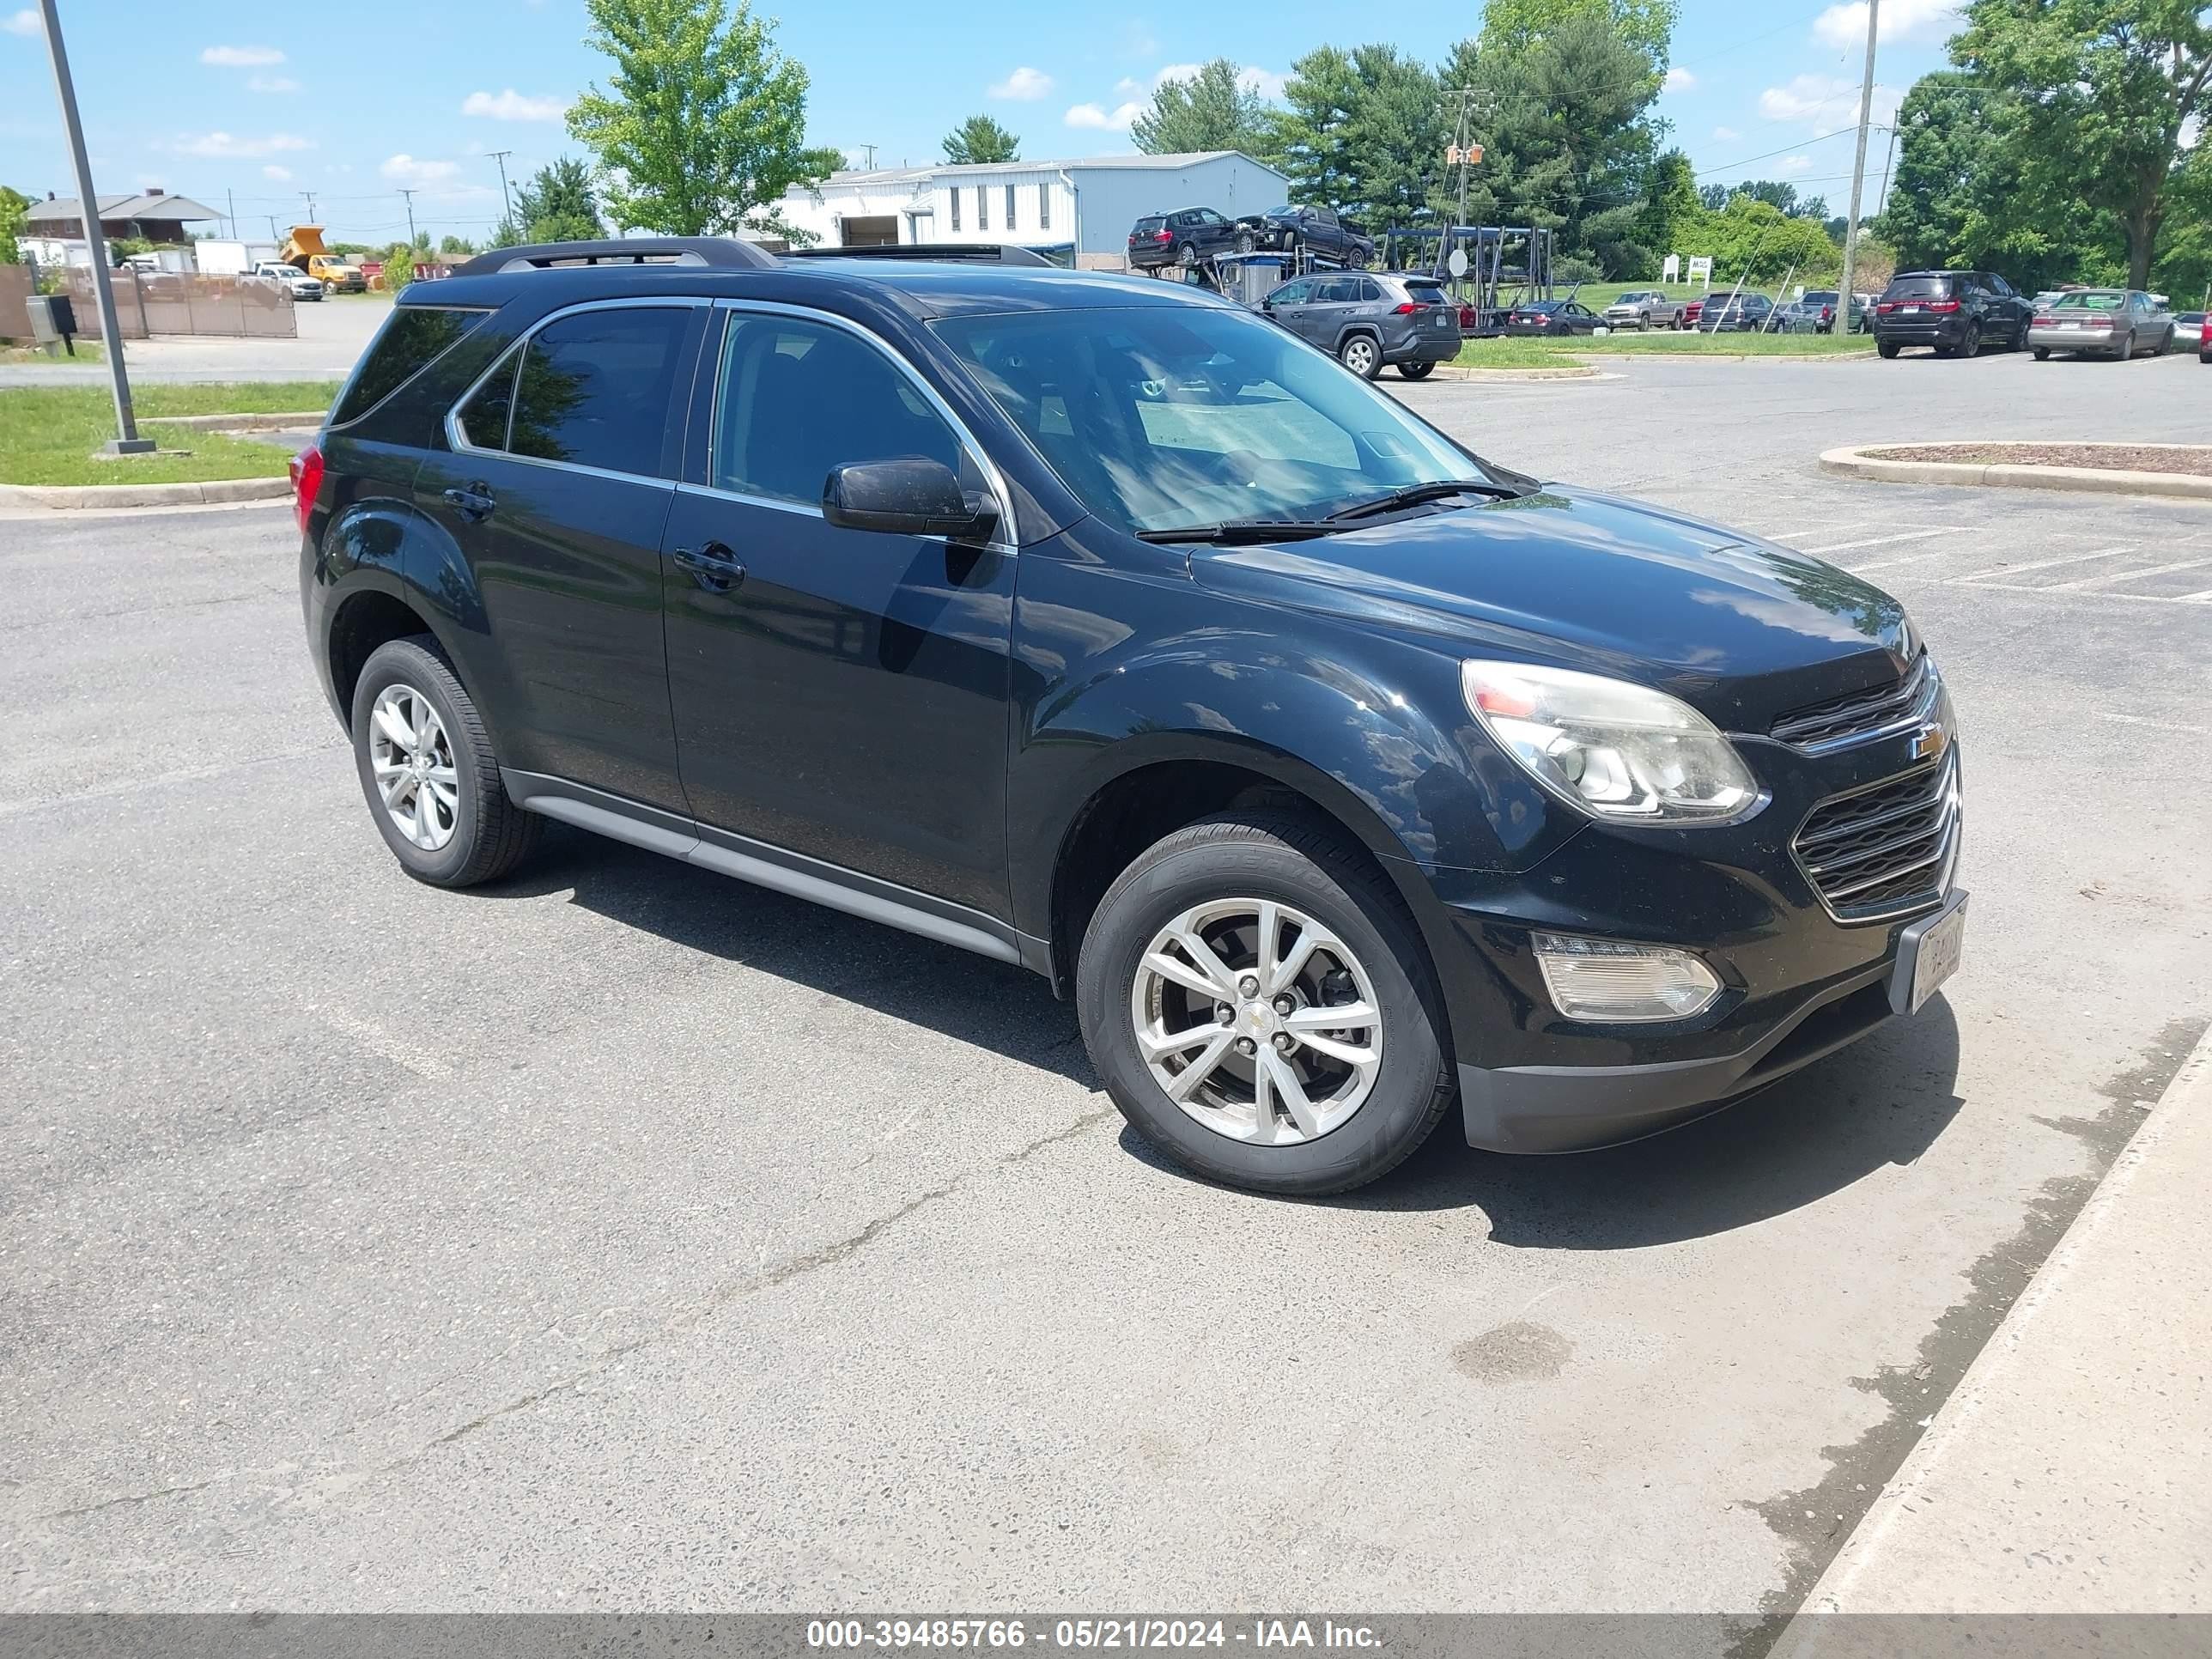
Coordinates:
<point>1671,271</point>
<point>1701,269</point>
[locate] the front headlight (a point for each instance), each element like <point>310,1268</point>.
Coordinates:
<point>1613,748</point>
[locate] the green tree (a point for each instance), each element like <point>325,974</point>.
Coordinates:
<point>1647,26</point>
<point>1364,132</point>
<point>13,205</point>
<point>703,127</point>
<point>556,203</point>
<point>979,139</point>
<point>1760,243</point>
<point>1212,110</point>
<point>457,247</point>
<point>1569,144</point>
<point>398,267</point>
<point>2104,91</point>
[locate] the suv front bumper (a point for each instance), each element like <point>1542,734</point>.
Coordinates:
<point>1798,983</point>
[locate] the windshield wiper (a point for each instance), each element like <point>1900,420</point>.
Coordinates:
<point>1232,532</point>
<point>1414,494</point>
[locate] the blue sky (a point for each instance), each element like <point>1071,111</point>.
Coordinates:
<point>354,103</point>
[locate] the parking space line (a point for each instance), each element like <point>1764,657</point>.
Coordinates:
<point>2093,593</point>
<point>2205,598</point>
<point>2129,575</point>
<point>1873,541</point>
<point>2040,564</point>
<point>1891,564</point>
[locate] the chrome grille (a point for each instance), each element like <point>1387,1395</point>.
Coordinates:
<point>1861,716</point>
<point>1883,852</point>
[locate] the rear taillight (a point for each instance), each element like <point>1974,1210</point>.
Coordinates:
<point>2045,322</point>
<point>1162,236</point>
<point>1941,305</point>
<point>1407,310</point>
<point>306,471</point>
<point>1886,307</point>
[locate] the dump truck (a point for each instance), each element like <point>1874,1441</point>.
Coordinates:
<point>304,248</point>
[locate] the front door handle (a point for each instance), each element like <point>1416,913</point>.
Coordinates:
<point>476,500</point>
<point>713,566</point>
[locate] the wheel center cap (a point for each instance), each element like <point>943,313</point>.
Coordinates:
<point>1258,1019</point>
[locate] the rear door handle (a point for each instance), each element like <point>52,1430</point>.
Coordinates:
<point>713,566</point>
<point>474,501</point>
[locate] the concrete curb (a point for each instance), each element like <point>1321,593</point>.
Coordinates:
<point>1882,1545</point>
<point>1471,372</point>
<point>1857,463</point>
<point>275,422</point>
<point>214,492</point>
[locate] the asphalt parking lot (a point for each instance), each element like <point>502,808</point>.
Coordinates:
<point>624,1236</point>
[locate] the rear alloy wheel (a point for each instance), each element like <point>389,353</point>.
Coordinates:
<point>2165,343</point>
<point>1415,371</point>
<point>2127,345</point>
<point>1361,355</point>
<point>1971,344</point>
<point>427,768</point>
<point>1260,1007</point>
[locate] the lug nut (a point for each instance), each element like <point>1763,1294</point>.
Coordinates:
<point>1282,1042</point>
<point>1285,1006</point>
<point>1246,1046</point>
<point>1224,1013</point>
<point>1249,986</point>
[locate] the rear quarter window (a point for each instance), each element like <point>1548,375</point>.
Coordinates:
<point>413,338</point>
<point>1425,294</point>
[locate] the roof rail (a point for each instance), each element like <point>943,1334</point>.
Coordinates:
<point>979,254</point>
<point>723,253</point>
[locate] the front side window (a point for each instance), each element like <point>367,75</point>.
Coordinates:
<point>593,389</point>
<point>797,398</point>
<point>1160,417</point>
<point>1292,293</point>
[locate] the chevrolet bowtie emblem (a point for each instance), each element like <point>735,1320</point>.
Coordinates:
<point>1929,742</point>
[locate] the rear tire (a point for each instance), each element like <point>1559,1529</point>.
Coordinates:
<point>2019,336</point>
<point>450,822</point>
<point>2127,347</point>
<point>1971,345</point>
<point>1415,371</point>
<point>1889,348</point>
<point>1277,859</point>
<point>2043,353</point>
<point>1361,355</point>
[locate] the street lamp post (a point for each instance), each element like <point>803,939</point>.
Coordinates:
<point>126,440</point>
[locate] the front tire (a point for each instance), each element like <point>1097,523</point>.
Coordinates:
<point>1361,355</point>
<point>428,770</point>
<point>2020,336</point>
<point>1186,257</point>
<point>1333,1064</point>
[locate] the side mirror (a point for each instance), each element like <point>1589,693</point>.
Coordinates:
<point>907,498</point>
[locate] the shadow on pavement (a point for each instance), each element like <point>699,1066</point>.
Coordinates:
<point>1884,1101</point>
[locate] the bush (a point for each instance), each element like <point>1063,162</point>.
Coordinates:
<point>1569,269</point>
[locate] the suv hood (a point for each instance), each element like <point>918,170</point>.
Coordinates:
<point>1740,629</point>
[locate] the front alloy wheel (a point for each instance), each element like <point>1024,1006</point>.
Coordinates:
<point>412,760</point>
<point>1257,1021</point>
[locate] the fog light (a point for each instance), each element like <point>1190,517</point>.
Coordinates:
<point>1600,979</point>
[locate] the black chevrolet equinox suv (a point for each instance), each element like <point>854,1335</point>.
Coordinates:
<point>1100,626</point>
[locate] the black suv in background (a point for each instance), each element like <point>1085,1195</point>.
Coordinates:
<point>1366,321</point>
<point>1184,238</point>
<point>1095,625</point>
<point>1956,311</point>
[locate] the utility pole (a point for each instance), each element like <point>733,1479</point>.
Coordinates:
<point>310,195</point>
<point>272,227</point>
<point>230,201</point>
<point>1881,202</point>
<point>1858,169</point>
<point>506,201</point>
<point>409,195</point>
<point>869,164</point>
<point>126,440</point>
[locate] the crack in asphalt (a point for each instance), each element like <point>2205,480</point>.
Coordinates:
<point>783,1272</point>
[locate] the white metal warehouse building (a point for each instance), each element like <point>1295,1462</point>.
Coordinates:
<point>1085,205</point>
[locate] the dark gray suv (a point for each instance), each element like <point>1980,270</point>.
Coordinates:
<point>1365,320</point>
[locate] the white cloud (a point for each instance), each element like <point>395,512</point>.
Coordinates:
<point>1844,26</point>
<point>512,105</point>
<point>1025,86</point>
<point>1177,72</point>
<point>1725,135</point>
<point>241,57</point>
<point>1265,83</point>
<point>272,83</point>
<point>1679,80</point>
<point>25,21</point>
<point>225,146</point>
<point>1791,165</point>
<point>282,175</point>
<point>1823,101</point>
<point>404,169</point>
<point>1096,119</point>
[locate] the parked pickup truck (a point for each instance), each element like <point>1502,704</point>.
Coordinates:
<point>1645,308</point>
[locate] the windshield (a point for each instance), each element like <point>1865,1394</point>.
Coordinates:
<point>1165,416</point>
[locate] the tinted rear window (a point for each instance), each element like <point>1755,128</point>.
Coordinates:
<point>1152,223</point>
<point>594,388</point>
<point>1919,287</point>
<point>1821,296</point>
<point>413,337</point>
